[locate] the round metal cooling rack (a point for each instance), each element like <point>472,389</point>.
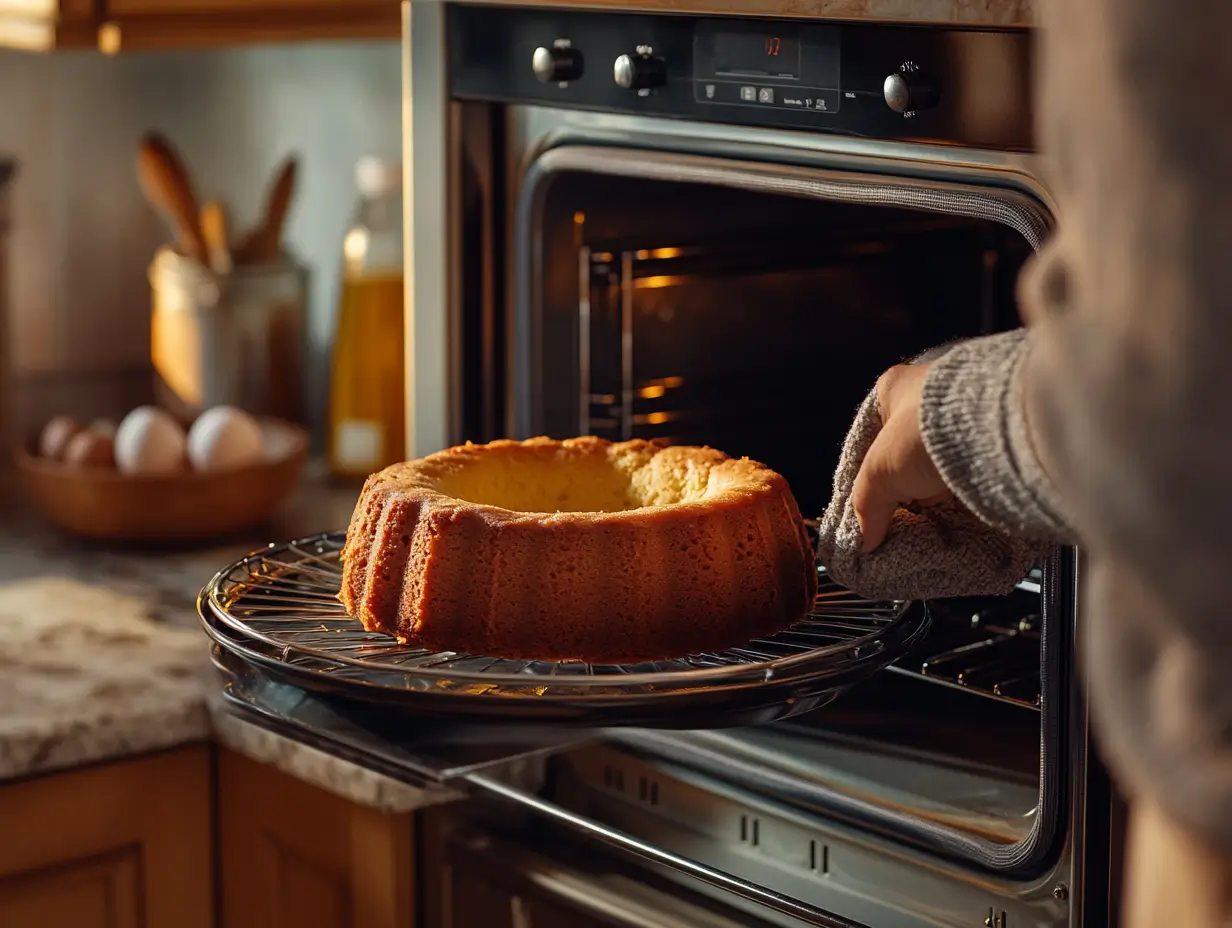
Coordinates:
<point>278,610</point>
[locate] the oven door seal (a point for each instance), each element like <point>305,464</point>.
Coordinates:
<point>1009,207</point>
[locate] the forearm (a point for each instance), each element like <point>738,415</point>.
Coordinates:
<point>974,424</point>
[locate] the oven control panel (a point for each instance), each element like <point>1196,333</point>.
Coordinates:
<point>877,80</point>
<point>773,64</point>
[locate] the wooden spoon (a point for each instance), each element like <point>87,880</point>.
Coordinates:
<point>264,243</point>
<point>214,231</point>
<point>167,185</point>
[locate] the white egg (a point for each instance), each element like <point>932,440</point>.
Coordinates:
<point>149,442</point>
<point>224,438</point>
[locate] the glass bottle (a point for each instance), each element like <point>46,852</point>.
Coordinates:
<point>367,420</point>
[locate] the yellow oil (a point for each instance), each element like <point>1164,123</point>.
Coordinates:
<point>367,422</point>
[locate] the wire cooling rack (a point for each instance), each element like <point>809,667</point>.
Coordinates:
<point>278,609</point>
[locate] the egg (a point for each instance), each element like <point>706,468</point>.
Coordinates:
<point>149,442</point>
<point>103,427</point>
<point>224,438</point>
<point>53,442</point>
<point>91,447</point>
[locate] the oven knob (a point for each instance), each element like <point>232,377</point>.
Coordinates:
<point>557,64</point>
<point>640,71</point>
<point>908,90</point>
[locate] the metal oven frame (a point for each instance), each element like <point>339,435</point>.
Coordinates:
<point>441,134</point>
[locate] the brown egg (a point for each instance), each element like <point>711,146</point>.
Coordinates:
<point>91,448</point>
<point>56,435</point>
<point>103,427</point>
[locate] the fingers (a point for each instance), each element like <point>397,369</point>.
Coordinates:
<point>873,500</point>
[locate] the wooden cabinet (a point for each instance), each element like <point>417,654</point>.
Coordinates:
<point>292,854</point>
<point>133,844</point>
<point>115,26</point>
<point>44,25</point>
<point>122,845</point>
<point>130,25</point>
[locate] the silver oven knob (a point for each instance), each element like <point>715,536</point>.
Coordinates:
<point>908,90</point>
<point>557,64</point>
<point>639,71</point>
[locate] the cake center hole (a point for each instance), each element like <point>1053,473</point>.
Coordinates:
<point>570,483</point>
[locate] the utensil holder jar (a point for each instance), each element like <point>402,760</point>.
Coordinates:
<point>234,340</point>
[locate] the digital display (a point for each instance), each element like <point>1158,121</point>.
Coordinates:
<point>772,54</point>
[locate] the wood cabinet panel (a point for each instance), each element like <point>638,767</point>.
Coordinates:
<point>101,893</point>
<point>123,844</point>
<point>129,25</point>
<point>294,855</point>
<point>285,7</point>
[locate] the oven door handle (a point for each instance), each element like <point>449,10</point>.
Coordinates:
<point>809,914</point>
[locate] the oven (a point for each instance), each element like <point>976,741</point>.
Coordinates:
<point>716,230</point>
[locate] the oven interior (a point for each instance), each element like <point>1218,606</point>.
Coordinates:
<point>756,323</point>
<point>751,322</point>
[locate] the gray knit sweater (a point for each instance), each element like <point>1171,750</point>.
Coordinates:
<point>1109,419</point>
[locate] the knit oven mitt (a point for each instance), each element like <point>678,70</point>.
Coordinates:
<point>930,552</point>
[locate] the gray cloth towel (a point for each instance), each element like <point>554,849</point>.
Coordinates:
<point>930,552</point>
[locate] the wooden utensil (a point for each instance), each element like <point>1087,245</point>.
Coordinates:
<point>264,243</point>
<point>166,183</point>
<point>214,231</point>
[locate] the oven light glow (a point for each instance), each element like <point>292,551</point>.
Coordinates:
<point>658,253</point>
<point>659,281</point>
<point>657,418</point>
<point>579,218</point>
<point>652,393</point>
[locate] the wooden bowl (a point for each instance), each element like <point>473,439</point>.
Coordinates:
<point>103,504</point>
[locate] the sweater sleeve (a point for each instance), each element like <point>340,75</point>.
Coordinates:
<point>975,428</point>
<point>1126,382</point>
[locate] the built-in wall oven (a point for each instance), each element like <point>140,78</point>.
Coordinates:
<point>718,230</point>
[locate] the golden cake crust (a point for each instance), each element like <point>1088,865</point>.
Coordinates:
<point>578,549</point>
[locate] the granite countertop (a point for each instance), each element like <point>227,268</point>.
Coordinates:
<point>101,656</point>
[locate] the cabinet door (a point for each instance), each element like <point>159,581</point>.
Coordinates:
<point>123,845</point>
<point>295,855</point>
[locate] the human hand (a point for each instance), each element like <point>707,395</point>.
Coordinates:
<point>898,468</point>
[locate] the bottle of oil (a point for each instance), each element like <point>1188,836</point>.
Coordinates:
<point>367,421</point>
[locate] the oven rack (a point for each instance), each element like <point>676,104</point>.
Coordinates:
<point>996,656</point>
<point>278,608</point>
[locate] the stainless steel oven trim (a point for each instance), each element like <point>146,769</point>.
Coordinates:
<point>628,844</point>
<point>1012,207</point>
<point>433,363</point>
<point>431,355</point>
<point>1036,853</point>
<point>542,871</point>
<point>535,129</point>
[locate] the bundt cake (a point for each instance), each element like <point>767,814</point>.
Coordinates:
<point>578,549</point>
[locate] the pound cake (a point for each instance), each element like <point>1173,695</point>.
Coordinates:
<point>582,549</point>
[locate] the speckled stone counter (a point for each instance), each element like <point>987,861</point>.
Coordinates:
<point>101,656</point>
